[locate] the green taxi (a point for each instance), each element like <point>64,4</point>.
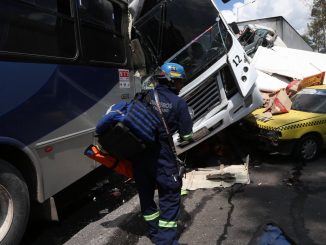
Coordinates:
<point>301,131</point>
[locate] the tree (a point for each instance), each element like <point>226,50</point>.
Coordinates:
<point>317,27</point>
<point>309,40</point>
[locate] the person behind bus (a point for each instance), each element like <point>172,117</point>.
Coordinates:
<point>157,167</point>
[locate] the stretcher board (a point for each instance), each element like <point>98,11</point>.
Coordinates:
<point>197,179</point>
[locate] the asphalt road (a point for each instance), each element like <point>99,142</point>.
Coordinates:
<point>82,204</point>
<point>289,194</point>
<point>282,192</point>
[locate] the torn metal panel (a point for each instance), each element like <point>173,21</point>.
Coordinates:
<point>287,62</point>
<point>316,61</point>
<point>214,177</point>
<point>270,83</point>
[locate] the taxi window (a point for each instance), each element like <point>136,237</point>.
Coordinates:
<point>310,100</point>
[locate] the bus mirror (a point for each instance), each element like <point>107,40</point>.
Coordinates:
<point>225,1</point>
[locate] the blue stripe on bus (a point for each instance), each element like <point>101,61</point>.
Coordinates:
<point>37,99</point>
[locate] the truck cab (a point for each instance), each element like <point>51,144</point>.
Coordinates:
<point>220,87</point>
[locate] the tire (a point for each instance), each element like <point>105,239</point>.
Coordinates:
<point>307,148</point>
<point>14,204</point>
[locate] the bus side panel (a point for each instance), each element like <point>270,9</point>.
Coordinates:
<point>53,109</point>
<point>63,162</point>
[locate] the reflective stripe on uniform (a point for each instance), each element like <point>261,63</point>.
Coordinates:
<point>184,192</point>
<point>167,224</point>
<point>186,137</point>
<point>152,216</point>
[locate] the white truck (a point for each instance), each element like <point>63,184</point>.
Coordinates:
<point>220,87</point>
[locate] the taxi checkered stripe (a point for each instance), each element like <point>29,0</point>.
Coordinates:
<point>315,123</point>
<point>294,126</point>
<point>266,127</point>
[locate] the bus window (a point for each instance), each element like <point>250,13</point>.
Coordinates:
<point>101,32</point>
<point>61,6</point>
<point>25,28</point>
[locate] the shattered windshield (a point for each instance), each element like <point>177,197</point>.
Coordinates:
<point>204,50</point>
<point>310,100</point>
<point>171,27</point>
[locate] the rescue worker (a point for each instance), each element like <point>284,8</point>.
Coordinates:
<point>157,167</point>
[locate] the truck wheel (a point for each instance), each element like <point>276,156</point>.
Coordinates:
<point>307,148</point>
<point>14,204</point>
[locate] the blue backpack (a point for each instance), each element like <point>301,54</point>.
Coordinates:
<point>128,125</point>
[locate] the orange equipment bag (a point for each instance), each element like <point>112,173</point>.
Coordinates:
<point>123,167</point>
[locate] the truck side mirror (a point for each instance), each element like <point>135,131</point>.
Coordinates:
<point>234,27</point>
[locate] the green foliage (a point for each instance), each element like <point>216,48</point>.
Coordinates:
<point>317,26</point>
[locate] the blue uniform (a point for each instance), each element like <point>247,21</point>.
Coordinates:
<point>157,168</point>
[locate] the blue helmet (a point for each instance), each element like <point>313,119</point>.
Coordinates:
<point>172,71</point>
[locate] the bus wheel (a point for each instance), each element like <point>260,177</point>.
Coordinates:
<point>14,204</point>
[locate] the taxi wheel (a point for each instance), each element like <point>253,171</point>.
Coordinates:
<point>307,148</point>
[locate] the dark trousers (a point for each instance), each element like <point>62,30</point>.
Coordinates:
<point>156,169</point>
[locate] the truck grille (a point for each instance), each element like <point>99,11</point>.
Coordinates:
<point>203,97</point>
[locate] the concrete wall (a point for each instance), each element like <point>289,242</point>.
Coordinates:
<point>284,30</point>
